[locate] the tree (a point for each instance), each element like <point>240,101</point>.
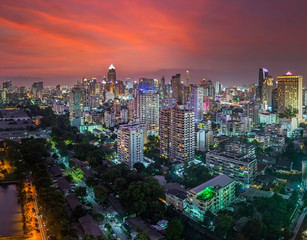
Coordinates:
<point>224,223</point>
<point>175,229</point>
<point>254,229</point>
<point>139,167</point>
<point>80,192</point>
<point>120,184</point>
<point>142,198</point>
<point>101,193</point>
<point>142,236</point>
<point>195,174</point>
<point>79,212</point>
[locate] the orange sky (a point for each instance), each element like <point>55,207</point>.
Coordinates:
<point>62,41</point>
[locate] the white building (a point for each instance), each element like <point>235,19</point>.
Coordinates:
<point>212,195</point>
<point>268,118</point>
<point>241,167</point>
<point>130,143</point>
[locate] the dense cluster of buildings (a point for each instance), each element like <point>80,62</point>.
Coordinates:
<point>206,118</point>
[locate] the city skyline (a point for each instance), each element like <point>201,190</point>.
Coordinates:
<point>61,42</point>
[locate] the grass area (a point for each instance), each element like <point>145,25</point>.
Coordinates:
<point>206,193</point>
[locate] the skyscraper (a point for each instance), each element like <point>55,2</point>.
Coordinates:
<point>130,144</point>
<point>177,88</point>
<point>290,93</point>
<point>76,107</point>
<point>187,78</point>
<point>263,74</point>
<point>111,78</point>
<point>177,135</point>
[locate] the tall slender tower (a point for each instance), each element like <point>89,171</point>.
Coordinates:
<point>263,74</point>
<point>111,78</point>
<point>188,78</point>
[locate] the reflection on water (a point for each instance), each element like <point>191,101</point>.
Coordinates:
<point>10,212</point>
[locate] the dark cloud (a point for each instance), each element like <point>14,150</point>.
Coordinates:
<point>226,41</point>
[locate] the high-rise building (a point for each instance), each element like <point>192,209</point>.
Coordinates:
<point>148,111</point>
<point>290,93</point>
<point>187,78</point>
<point>209,90</point>
<point>7,85</point>
<point>146,84</point>
<point>263,74</point>
<point>145,108</point>
<point>196,102</point>
<point>177,134</point>
<point>38,85</point>
<point>177,88</point>
<point>76,107</point>
<point>130,143</point>
<point>267,88</point>
<point>111,80</point>
<point>218,87</point>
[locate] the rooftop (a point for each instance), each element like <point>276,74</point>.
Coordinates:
<point>219,181</point>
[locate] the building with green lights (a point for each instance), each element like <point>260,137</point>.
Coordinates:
<point>212,195</point>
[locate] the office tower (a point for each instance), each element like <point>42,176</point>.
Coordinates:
<point>209,90</point>
<point>177,88</point>
<point>187,78</point>
<point>76,107</point>
<point>58,87</point>
<point>38,85</point>
<point>196,102</point>
<point>263,74</point>
<point>177,134</point>
<point>7,85</point>
<point>111,78</point>
<point>130,143</point>
<point>267,88</point>
<point>128,83</point>
<point>146,84</point>
<point>290,93</point>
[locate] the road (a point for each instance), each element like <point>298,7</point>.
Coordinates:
<point>41,228</point>
<point>298,224</point>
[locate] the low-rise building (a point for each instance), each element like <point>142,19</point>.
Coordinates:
<point>212,195</point>
<point>241,167</point>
